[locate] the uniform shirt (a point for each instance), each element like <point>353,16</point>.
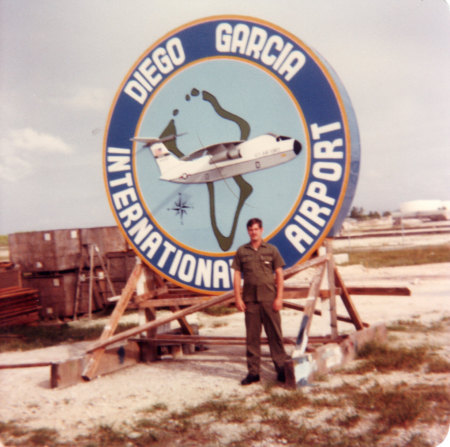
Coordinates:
<point>257,268</point>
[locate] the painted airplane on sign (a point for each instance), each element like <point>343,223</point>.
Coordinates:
<point>222,160</point>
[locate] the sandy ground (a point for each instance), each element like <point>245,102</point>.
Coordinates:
<point>27,399</point>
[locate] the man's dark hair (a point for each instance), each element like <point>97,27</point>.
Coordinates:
<point>253,221</point>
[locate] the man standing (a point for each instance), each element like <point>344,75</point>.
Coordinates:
<point>261,266</point>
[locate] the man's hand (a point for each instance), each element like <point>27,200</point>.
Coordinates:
<point>240,305</point>
<point>277,304</point>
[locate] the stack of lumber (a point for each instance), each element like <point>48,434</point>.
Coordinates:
<point>18,306</point>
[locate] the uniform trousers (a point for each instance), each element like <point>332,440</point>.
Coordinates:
<point>258,314</point>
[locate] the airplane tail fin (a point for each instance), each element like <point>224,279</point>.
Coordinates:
<point>165,160</point>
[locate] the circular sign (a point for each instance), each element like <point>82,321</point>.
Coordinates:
<point>222,120</point>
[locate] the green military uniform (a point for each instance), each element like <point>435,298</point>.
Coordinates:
<point>257,268</point>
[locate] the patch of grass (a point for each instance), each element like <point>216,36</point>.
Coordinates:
<point>107,436</point>
<point>43,436</point>
<point>438,365</point>
<point>11,428</point>
<point>440,325</point>
<point>349,420</point>
<point>180,429</point>
<point>345,388</point>
<point>220,310</point>
<point>218,409</point>
<point>292,400</point>
<point>417,440</point>
<point>402,405</point>
<point>335,438</point>
<point>396,407</point>
<point>375,258</point>
<point>146,424</point>
<point>438,397</point>
<point>407,326</point>
<point>288,431</point>
<point>247,438</point>
<point>325,402</point>
<point>418,327</point>
<point>215,406</point>
<point>23,338</point>
<point>360,368</point>
<point>159,406</point>
<point>385,358</point>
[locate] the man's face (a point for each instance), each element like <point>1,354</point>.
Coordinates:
<point>255,233</point>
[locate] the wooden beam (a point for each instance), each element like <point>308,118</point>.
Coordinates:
<point>220,299</point>
<point>348,303</point>
<point>291,271</point>
<point>332,287</point>
<point>167,302</point>
<point>93,361</point>
<point>184,324</point>
<point>181,339</point>
<point>292,292</point>
<point>300,307</point>
<point>25,365</point>
<point>313,295</point>
<point>388,291</point>
<point>218,340</point>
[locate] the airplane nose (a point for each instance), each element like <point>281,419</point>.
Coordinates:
<point>297,147</point>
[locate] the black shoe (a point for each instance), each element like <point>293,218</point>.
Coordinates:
<point>281,377</point>
<point>251,378</point>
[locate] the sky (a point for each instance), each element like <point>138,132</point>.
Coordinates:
<point>62,62</point>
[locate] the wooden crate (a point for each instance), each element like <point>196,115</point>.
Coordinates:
<point>57,293</point>
<point>120,265</point>
<point>58,290</point>
<point>46,251</point>
<point>107,239</point>
<point>61,250</point>
<point>11,277</point>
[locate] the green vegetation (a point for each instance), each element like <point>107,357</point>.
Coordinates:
<point>384,358</point>
<point>292,401</point>
<point>375,258</point>
<point>23,338</point>
<point>415,326</point>
<point>357,212</point>
<point>220,310</point>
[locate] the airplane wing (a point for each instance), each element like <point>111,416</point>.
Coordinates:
<point>218,151</point>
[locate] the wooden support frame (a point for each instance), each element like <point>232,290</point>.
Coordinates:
<point>151,298</point>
